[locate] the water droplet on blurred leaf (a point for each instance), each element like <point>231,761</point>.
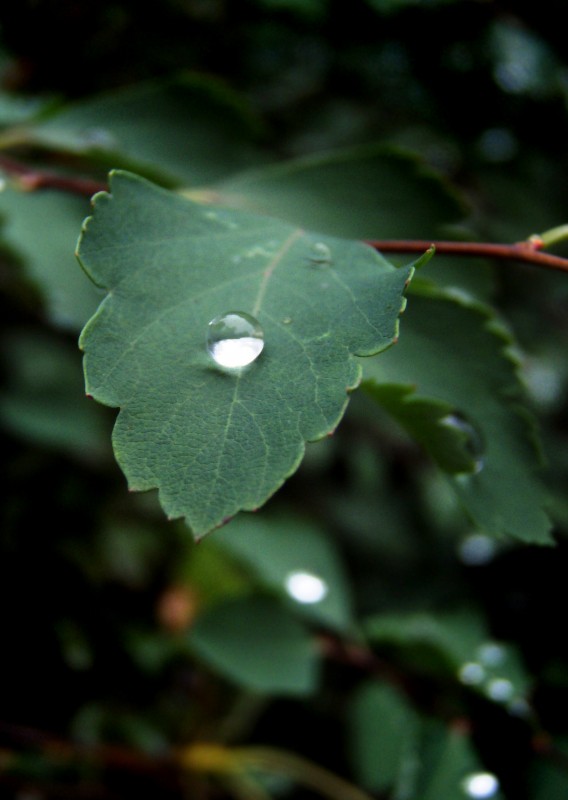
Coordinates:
<point>491,654</point>
<point>477,549</point>
<point>305,587</point>
<point>99,138</point>
<point>480,785</point>
<point>500,690</point>
<point>471,673</point>
<point>472,438</point>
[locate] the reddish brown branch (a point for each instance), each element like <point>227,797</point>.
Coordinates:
<point>528,251</point>
<point>30,178</point>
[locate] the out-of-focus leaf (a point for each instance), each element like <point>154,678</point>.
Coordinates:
<point>43,399</point>
<point>39,229</point>
<point>368,192</point>
<point>454,352</point>
<point>548,779</point>
<point>455,645</point>
<point>297,560</point>
<point>383,739</point>
<point>256,643</point>
<point>190,130</point>
<point>431,423</point>
<point>451,769</point>
<point>214,440</point>
<point>16,109</point>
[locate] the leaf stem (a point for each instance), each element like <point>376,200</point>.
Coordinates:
<point>528,251</point>
<point>553,236</point>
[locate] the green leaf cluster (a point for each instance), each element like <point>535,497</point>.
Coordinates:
<point>328,578</point>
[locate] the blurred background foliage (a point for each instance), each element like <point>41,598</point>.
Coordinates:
<point>432,663</point>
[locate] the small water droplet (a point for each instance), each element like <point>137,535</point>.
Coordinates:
<point>471,673</point>
<point>480,785</point>
<point>477,549</point>
<point>491,654</point>
<point>305,587</point>
<point>473,438</point>
<point>500,690</point>
<point>234,339</point>
<point>100,138</point>
<point>320,254</point>
<point>260,251</point>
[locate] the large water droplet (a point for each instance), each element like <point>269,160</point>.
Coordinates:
<point>473,439</point>
<point>234,339</point>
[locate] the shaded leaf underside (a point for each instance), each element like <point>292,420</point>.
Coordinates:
<point>454,357</point>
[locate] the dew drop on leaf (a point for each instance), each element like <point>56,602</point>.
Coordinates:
<point>99,138</point>
<point>234,339</point>
<point>473,439</point>
<point>320,254</point>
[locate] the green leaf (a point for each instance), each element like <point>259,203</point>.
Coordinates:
<point>190,130</point>
<point>430,423</point>
<point>547,778</point>
<point>367,192</point>
<point>216,441</point>
<point>455,355</point>
<point>257,644</point>
<point>296,559</point>
<point>39,229</point>
<point>383,737</point>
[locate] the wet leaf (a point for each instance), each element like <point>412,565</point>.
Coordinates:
<point>214,440</point>
<point>296,559</point>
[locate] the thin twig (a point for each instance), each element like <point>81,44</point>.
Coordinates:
<point>30,179</point>
<point>528,251</point>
